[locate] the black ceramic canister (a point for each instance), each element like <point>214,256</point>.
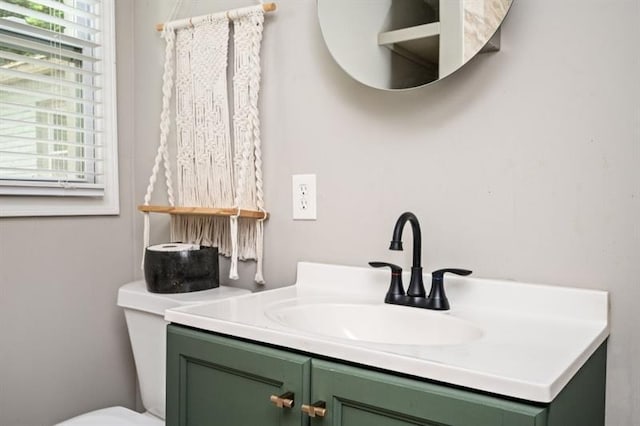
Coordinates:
<point>181,268</point>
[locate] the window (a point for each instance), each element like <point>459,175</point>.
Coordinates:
<point>58,138</point>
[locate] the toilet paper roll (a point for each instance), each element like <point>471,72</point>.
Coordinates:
<point>174,247</point>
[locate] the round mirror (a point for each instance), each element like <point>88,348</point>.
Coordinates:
<point>402,44</point>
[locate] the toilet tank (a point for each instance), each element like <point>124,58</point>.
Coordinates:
<point>144,313</point>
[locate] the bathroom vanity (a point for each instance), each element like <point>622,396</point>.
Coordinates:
<point>506,354</point>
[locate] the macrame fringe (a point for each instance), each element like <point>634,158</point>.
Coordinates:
<point>215,231</point>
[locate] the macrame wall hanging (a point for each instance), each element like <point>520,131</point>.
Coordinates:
<point>218,160</point>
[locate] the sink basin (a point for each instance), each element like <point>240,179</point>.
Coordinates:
<point>376,323</point>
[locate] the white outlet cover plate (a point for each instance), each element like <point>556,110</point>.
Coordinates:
<point>303,194</point>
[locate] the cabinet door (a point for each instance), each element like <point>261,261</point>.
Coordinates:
<point>217,381</point>
<point>359,397</point>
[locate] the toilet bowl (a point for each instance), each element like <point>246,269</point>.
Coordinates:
<point>114,416</point>
<point>144,313</point>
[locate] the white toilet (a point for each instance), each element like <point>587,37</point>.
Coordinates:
<point>144,312</point>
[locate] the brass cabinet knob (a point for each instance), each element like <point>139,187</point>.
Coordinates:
<point>318,409</point>
<point>286,400</point>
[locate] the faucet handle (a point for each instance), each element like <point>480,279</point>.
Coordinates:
<point>440,272</point>
<point>396,289</point>
<point>395,269</point>
<point>437,298</point>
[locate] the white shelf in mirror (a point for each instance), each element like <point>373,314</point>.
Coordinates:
<point>419,43</point>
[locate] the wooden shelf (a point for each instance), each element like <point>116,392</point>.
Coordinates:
<point>203,211</point>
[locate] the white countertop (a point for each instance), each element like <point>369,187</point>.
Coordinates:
<point>534,337</point>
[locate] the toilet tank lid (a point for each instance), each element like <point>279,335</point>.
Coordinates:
<point>135,295</point>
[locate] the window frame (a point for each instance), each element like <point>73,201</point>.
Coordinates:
<point>39,199</point>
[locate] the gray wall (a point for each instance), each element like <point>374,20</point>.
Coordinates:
<point>64,348</point>
<point>524,165</point>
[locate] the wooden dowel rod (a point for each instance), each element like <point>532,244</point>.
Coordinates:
<point>203,211</point>
<point>267,7</point>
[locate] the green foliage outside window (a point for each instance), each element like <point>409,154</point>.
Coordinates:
<point>38,8</point>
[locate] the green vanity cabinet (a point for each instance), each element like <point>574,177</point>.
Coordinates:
<point>359,397</point>
<point>220,381</point>
<point>212,380</point>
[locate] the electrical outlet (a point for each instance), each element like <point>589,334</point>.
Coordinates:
<point>304,197</point>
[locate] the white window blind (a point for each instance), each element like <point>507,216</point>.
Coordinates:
<point>57,98</point>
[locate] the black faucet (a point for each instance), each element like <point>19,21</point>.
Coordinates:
<point>416,286</point>
<point>415,295</point>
